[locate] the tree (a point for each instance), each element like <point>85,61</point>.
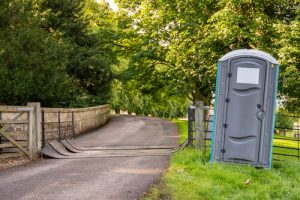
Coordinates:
<point>289,57</point>
<point>126,97</point>
<point>284,121</point>
<point>181,41</point>
<point>58,52</point>
<point>32,63</point>
<point>85,26</point>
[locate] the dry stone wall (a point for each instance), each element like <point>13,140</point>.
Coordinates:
<point>85,119</point>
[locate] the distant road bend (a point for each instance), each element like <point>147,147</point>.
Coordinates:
<point>119,177</point>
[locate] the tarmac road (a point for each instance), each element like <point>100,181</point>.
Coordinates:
<point>96,178</point>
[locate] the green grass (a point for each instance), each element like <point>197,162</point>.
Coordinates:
<point>286,143</point>
<point>279,141</point>
<point>191,177</point>
<point>182,128</point>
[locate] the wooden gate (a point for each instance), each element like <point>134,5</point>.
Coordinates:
<point>19,131</point>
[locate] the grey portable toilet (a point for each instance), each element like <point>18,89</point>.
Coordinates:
<point>245,105</point>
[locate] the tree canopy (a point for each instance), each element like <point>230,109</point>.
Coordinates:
<point>53,51</point>
<point>176,44</point>
<point>148,57</point>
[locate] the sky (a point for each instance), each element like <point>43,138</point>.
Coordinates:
<point>112,5</point>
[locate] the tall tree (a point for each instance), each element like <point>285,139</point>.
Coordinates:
<point>32,62</point>
<point>182,40</point>
<point>289,57</point>
<point>91,55</point>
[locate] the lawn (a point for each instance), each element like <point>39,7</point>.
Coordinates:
<point>191,176</point>
<point>182,128</point>
<point>290,143</point>
<point>279,141</point>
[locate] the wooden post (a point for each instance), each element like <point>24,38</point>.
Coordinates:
<point>30,132</point>
<point>35,130</point>
<point>199,140</point>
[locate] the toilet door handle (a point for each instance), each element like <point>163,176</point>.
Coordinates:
<point>260,115</point>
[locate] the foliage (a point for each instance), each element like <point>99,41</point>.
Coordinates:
<point>126,97</point>
<point>32,63</point>
<point>176,44</point>
<point>83,24</point>
<point>284,119</point>
<point>289,57</point>
<point>161,54</point>
<point>53,51</point>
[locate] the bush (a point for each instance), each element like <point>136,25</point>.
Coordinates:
<point>283,121</point>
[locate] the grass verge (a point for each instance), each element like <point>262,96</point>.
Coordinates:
<point>191,176</point>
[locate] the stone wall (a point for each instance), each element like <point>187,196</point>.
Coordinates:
<point>85,119</point>
<point>24,125</point>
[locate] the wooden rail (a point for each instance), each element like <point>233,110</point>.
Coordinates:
<point>20,142</point>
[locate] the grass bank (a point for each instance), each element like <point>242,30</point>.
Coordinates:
<point>191,177</point>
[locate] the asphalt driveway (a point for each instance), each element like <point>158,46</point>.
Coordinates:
<point>96,178</point>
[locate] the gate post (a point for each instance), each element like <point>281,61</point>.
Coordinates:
<point>190,126</point>
<point>35,123</point>
<point>199,140</point>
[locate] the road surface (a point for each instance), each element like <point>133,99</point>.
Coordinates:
<point>96,178</point>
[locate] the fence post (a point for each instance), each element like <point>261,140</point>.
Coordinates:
<point>35,139</point>
<point>199,140</point>
<point>73,125</point>
<point>191,117</point>
<point>298,135</point>
<point>58,126</point>
<point>1,149</point>
<point>43,129</point>
<point>31,134</point>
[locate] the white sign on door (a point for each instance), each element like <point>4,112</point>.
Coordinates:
<point>247,75</point>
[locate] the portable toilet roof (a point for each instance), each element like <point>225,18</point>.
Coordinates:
<point>249,53</point>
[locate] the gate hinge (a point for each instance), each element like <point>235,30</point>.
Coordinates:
<point>229,74</point>
<point>223,150</point>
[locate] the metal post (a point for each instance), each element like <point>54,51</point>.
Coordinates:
<point>199,140</point>
<point>59,133</point>
<point>190,134</point>
<point>73,124</point>
<point>298,135</point>
<point>43,129</point>
<point>189,125</point>
<point>206,120</point>
<point>1,149</point>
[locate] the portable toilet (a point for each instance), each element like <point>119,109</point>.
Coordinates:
<point>245,105</point>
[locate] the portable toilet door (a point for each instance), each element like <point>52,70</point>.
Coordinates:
<point>245,104</point>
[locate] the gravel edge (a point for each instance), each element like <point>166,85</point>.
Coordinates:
<point>6,163</point>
